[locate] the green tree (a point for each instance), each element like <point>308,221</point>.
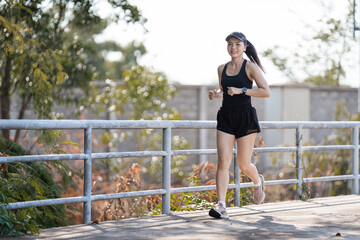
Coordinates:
<point>141,95</point>
<point>47,51</point>
<point>131,54</point>
<point>323,56</point>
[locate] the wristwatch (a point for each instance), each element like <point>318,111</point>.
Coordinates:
<point>244,89</point>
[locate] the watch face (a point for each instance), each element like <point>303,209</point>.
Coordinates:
<point>244,90</point>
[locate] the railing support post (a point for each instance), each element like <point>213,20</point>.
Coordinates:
<point>237,179</point>
<point>298,161</point>
<point>355,168</point>
<point>87,176</point>
<point>166,170</point>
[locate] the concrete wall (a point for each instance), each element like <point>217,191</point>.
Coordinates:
<point>323,102</point>
<point>288,102</point>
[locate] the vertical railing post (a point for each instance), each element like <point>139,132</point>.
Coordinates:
<point>298,161</point>
<point>355,168</point>
<point>237,178</point>
<point>87,176</point>
<point>166,170</point>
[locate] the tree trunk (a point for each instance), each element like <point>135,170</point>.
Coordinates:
<point>5,95</point>
<point>25,102</point>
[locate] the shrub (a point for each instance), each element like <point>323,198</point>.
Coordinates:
<point>27,182</point>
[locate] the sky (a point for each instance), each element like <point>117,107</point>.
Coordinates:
<point>186,38</point>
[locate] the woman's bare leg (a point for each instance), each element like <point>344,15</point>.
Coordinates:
<point>245,146</point>
<point>225,145</point>
<point>244,152</point>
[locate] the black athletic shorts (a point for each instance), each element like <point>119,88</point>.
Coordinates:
<point>238,122</point>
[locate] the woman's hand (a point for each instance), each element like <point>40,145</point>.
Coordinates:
<point>212,94</point>
<point>233,90</point>
<point>215,94</point>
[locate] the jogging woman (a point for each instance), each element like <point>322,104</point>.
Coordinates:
<point>237,120</point>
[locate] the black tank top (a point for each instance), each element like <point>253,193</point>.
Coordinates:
<point>238,101</point>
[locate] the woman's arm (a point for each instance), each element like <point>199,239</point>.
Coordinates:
<point>263,90</point>
<point>218,93</point>
<point>254,74</point>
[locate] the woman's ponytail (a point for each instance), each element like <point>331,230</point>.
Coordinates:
<point>252,55</point>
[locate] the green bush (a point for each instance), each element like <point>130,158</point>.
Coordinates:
<point>27,182</point>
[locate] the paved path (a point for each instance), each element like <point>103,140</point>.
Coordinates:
<point>321,218</point>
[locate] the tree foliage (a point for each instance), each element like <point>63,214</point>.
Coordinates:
<point>48,51</point>
<point>322,58</point>
<point>143,94</point>
<point>48,57</point>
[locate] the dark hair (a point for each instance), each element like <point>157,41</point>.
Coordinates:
<point>250,49</point>
<point>252,55</point>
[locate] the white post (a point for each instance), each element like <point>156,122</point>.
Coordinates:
<point>203,116</point>
<point>298,161</point>
<point>355,167</point>
<point>166,171</point>
<point>87,175</point>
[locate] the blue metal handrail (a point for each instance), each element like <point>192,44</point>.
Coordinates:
<point>167,153</point>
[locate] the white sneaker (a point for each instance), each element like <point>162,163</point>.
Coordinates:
<point>259,191</point>
<point>218,212</point>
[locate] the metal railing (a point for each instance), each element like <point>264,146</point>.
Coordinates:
<point>167,153</point>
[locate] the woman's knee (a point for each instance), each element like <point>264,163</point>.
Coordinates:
<point>224,163</point>
<point>244,167</point>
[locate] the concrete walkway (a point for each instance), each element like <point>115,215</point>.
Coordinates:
<point>321,218</point>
